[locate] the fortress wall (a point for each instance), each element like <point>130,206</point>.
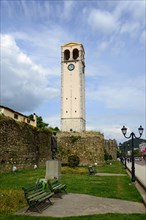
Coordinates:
<point>25,146</point>
<point>22,145</point>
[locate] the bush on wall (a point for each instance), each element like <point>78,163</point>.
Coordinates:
<point>74,138</point>
<point>73,161</point>
<point>107,156</point>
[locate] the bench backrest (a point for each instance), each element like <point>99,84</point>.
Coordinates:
<point>53,183</point>
<point>91,169</point>
<point>31,189</point>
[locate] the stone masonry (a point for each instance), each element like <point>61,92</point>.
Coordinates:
<point>25,146</point>
<point>22,145</point>
<point>88,146</point>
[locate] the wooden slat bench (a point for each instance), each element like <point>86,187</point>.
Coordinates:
<point>91,170</point>
<point>37,198</point>
<point>56,187</point>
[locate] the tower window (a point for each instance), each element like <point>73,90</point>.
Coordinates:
<point>75,54</point>
<point>66,55</point>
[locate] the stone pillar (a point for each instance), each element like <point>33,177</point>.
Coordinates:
<point>53,169</point>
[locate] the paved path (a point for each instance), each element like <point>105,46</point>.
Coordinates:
<point>110,174</point>
<point>140,172</point>
<point>79,204</point>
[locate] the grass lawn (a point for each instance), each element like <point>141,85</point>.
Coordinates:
<point>78,181</point>
<point>91,217</point>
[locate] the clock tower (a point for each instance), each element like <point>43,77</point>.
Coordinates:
<point>72,87</point>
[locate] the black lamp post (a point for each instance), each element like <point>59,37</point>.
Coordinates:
<point>132,135</point>
<point>125,156</point>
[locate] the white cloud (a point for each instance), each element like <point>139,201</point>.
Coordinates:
<point>103,45</point>
<point>143,38</point>
<point>44,46</point>
<point>68,7</point>
<point>53,121</point>
<point>103,21</point>
<point>119,95</point>
<point>24,84</point>
<point>135,10</point>
<point>97,69</point>
<point>125,17</point>
<point>34,9</point>
<point>117,47</point>
<point>130,27</point>
<point>131,17</point>
<point>112,131</point>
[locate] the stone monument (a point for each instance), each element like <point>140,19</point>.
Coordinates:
<point>53,166</point>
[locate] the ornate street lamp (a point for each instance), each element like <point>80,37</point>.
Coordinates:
<point>125,156</point>
<point>132,136</point>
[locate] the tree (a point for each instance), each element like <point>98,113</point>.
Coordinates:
<point>56,129</point>
<point>118,154</point>
<point>107,156</point>
<point>137,153</point>
<point>73,161</point>
<point>40,122</point>
<point>127,144</point>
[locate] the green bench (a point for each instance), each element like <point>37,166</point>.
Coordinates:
<point>92,170</point>
<point>56,187</point>
<point>37,198</point>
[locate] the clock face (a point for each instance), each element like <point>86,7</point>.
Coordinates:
<point>71,67</point>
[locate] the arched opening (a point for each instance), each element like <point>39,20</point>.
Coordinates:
<point>66,55</point>
<point>75,54</point>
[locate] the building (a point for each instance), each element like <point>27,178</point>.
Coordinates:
<point>73,87</point>
<point>142,147</point>
<point>18,116</point>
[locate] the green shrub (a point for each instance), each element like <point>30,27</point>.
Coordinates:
<point>10,200</point>
<point>73,161</point>
<point>110,157</point>
<point>107,156</point>
<point>74,138</point>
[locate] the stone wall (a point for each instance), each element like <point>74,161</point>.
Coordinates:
<point>87,145</point>
<point>25,146</point>
<point>111,148</point>
<point>22,145</point>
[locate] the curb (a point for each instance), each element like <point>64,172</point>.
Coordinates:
<point>140,185</point>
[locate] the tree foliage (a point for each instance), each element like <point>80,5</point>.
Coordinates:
<point>126,146</point>
<point>40,122</point>
<point>56,129</point>
<point>73,161</point>
<point>107,156</point>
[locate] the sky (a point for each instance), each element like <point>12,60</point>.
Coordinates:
<point>113,34</point>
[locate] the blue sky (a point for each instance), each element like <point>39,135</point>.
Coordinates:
<point>114,37</point>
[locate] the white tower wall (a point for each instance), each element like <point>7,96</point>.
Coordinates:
<point>72,88</point>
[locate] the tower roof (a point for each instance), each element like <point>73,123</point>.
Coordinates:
<point>70,44</point>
